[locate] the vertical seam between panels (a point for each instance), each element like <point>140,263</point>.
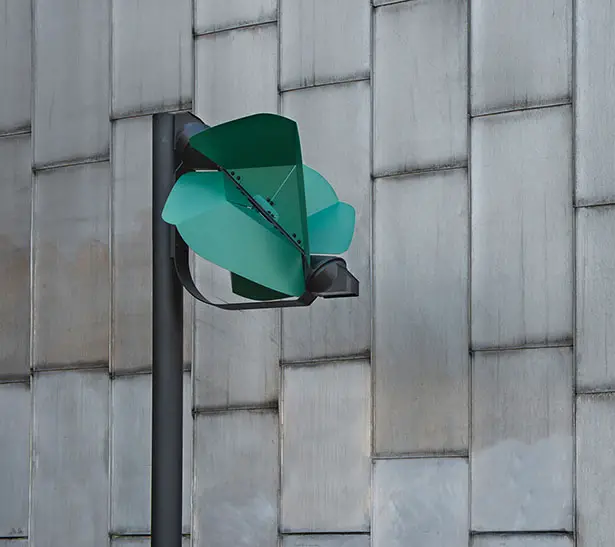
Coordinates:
<point>573,167</point>
<point>470,357</point>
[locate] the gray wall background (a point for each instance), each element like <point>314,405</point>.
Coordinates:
<point>466,398</point>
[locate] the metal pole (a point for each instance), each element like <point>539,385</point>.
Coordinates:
<point>167,381</point>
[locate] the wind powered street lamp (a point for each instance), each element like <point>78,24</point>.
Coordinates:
<point>239,195</point>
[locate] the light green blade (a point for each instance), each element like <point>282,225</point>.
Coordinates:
<point>331,229</point>
<point>225,234</point>
<point>319,194</point>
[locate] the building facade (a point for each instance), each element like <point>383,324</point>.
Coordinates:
<point>466,398</point>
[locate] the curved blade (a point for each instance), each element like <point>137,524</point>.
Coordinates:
<point>331,229</point>
<point>231,236</point>
<point>248,289</point>
<point>319,194</point>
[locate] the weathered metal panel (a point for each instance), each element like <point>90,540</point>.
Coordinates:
<point>71,266</point>
<point>420,501</point>
<point>15,408</point>
<point>212,15</point>
<point>236,73</point>
<point>131,445</point>
<point>595,101</point>
<point>13,543</point>
<point>334,126</point>
<point>521,53</point>
<point>138,542</point>
<point>15,64</point>
<point>595,469</point>
<point>15,215</point>
<point>522,541</point>
<point>151,56</point>
<point>236,479</point>
<point>522,447</point>
<point>132,244</point>
<point>595,298</point>
<point>323,42</point>
<point>236,354</point>
<point>70,479</point>
<point>421,313</point>
<point>326,541</point>
<point>420,85</point>
<point>522,228</point>
<point>326,448</point>
<point>71,80</point>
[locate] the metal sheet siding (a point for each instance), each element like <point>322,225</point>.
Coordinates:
<point>326,448</point>
<point>521,53</point>
<point>236,73</point>
<point>421,313</point>
<point>420,500</point>
<point>70,478</point>
<point>595,299</point>
<point>522,541</point>
<point>323,42</point>
<point>420,85</point>
<point>522,228</point>
<point>236,354</point>
<point>212,15</point>
<point>131,444</point>
<point>15,217</point>
<point>595,469</point>
<point>16,410</point>
<point>71,266</point>
<point>595,101</point>
<point>334,127</point>
<point>522,446</point>
<point>236,479</point>
<point>71,80</point>
<point>326,541</point>
<point>15,65</point>
<point>151,56</point>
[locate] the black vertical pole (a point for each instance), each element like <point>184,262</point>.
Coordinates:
<point>167,382</point>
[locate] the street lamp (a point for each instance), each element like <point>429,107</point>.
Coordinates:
<point>239,195</point>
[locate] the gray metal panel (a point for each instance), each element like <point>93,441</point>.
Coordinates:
<point>71,80</point>
<point>420,500</point>
<point>15,214</point>
<point>151,56</point>
<point>236,73</point>
<point>323,42</point>
<point>595,299</point>
<point>137,542</point>
<point>595,101</point>
<point>326,541</point>
<point>71,266</point>
<point>131,444</point>
<point>522,228</point>
<point>420,85</point>
<point>15,409</point>
<point>334,125</point>
<point>15,64</point>
<point>132,244</point>
<point>522,541</point>
<point>421,313</point>
<point>236,354</point>
<point>521,53</point>
<point>213,15</point>
<point>13,543</point>
<point>326,448</point>
<point>70,459</point>
<point>522,448</point>
<point>236,479</point>
<point>595,470</point>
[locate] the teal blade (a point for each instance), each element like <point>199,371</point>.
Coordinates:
<point>229,236</point>
<point>319,194</point>
<point>248,289</point>
<point>331,229</point>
